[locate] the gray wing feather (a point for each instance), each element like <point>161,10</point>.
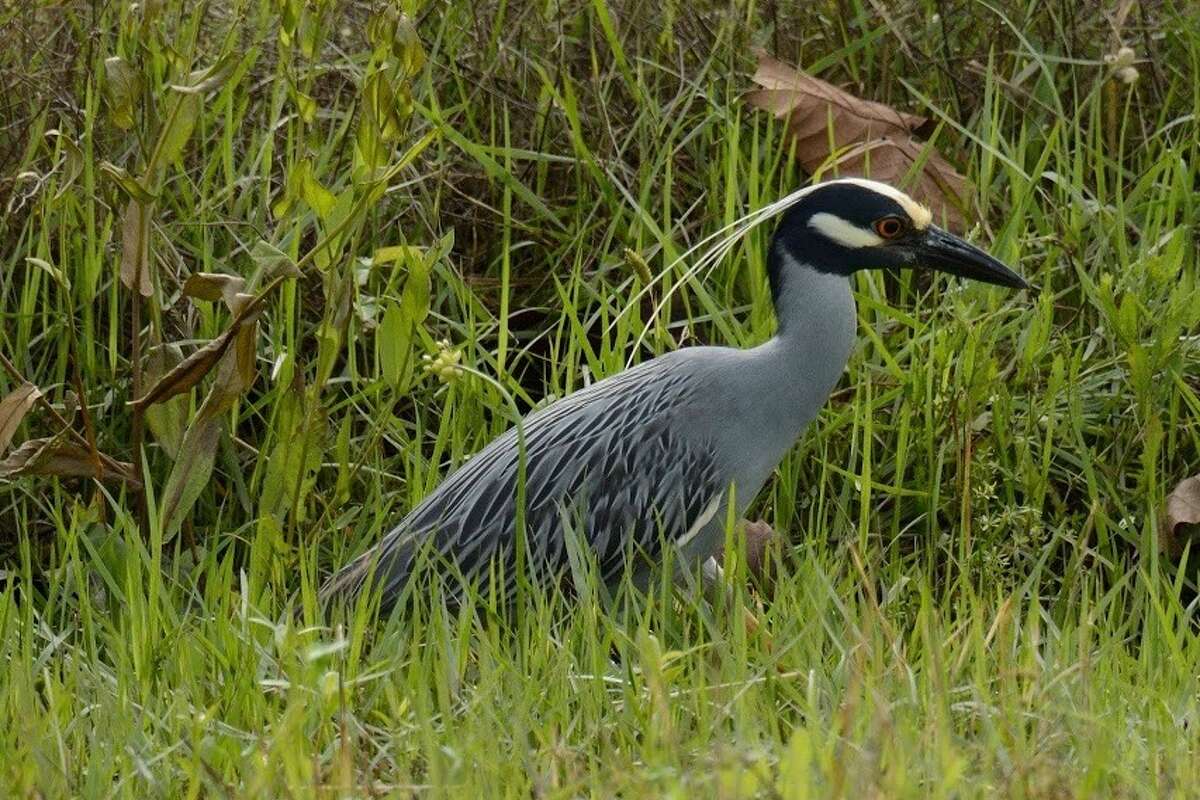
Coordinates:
<point>612,454</point>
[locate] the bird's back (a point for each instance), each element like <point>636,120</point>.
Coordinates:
<point>617,461</point>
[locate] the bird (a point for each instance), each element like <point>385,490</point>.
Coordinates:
<point>659,455</point>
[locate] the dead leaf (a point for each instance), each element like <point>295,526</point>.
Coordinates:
<point>186,373</point>
<point>213,286</point>
<point>135,248</point>
<point>831,127</point>
<point>812,104</point>
<point>13,409</point>
<point>193,467</point>
<point>1182,518</point>
<point>52,456</point>
<point>191,370</point>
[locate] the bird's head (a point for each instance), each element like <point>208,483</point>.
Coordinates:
<point>846,225</point>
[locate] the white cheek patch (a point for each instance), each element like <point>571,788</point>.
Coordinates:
<point>847,234</point>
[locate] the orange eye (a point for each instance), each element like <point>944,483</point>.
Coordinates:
<point>889,227</point>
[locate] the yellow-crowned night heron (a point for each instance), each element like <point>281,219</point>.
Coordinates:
<point>650,456</point>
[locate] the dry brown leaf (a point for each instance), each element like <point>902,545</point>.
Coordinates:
<point>245,357</point>
<point>213,286</point>
<point>191,370</point>
<point>135,248</point>
<point>187,373</point>
<point>13,409</point>
<point>193,467</point>
<point>829,126</point>
<point>1182,518</point>
<point>812,104</point>
<point>52,456</point>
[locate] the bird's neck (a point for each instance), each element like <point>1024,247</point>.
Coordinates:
<point>801,364</point>
<point>777,388</point>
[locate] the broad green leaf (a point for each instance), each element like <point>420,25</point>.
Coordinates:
<point>181,121</point>
<point>329,342</point>
<point>318,198</point>
<point>394,344</point>
<point>212,77</point>
<point>386,104</point>
<point>54,272</point>
<point>122,90</point>
<point>271,261</point>
<point>214,287</point>
<point>406,46</point>
<point>191,471</point>
<point>72,162</point>
<point>392,33</point>
<point>306,105</point>
<point>395,253</point>
<point>168,420</point>
<point>132,187</point>
<point>297,455</point>
<point>414,302</point>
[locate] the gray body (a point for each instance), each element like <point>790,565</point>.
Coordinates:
<point>652,455</point>
<point>645,456</point>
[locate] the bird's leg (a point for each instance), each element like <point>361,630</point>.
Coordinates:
<point>759,537</point>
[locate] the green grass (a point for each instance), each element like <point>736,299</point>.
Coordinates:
<point>973,601</point>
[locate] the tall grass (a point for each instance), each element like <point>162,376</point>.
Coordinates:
<point>973,603</point>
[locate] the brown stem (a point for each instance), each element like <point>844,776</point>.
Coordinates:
<point>137,419</point>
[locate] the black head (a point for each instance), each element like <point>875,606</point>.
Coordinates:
<point>850,224</point>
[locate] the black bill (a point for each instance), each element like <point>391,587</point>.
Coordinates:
<point>946,252</point>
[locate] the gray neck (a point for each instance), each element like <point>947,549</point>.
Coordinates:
<point>789,378</point>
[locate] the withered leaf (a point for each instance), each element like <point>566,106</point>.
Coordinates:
<point>186,373</point>
<point>935,182</point>
<point>13,409</point>
<point>1182,517</point>
<point>191,370</point>
<point>213,286</point>
<point>52,456</point>
<point>817,110</point>
<point>830,127</point>
<point>135,248</point>
<point>194,465</point>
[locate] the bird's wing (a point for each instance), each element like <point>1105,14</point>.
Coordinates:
<point>610,458</point>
